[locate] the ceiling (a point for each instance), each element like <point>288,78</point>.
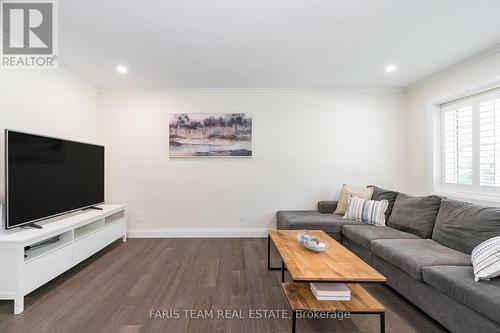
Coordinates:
<point>184,44</point>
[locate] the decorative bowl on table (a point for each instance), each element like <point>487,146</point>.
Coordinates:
<point>311,242</point>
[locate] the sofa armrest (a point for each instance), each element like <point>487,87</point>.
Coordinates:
<point>327,207</point>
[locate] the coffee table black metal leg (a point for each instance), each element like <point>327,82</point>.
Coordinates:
<point>268,252</point>
<point>282,271</point>
<point>269,268</point>
<point>382,322</point>
<point>294,321</point>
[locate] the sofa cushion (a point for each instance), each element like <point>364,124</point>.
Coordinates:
<point>381,194</point>
<point>364,234</point>
<point>462,225</point>
<point>410,255</point>
<point>415,214</point>
<point>361,252</point>
<point>312,220</point>
<point>458,283</point>
<point>327,207</point>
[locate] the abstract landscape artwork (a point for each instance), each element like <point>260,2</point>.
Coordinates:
<point>210,134</point>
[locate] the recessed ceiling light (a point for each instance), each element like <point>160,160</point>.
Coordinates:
<point>391,68</point>
<point>122,69</point>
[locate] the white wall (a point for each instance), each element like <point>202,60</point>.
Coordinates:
<point>305,146</point>
<point>421,101</point>
<point>46,102</point>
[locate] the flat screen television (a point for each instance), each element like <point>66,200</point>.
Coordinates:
<point>46,177</point>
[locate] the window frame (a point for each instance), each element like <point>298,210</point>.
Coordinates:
<point>475,192</point>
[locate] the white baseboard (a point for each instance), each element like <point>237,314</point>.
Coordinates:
<point>197,232</point>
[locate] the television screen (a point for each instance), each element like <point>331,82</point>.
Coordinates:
<point>46,177</point>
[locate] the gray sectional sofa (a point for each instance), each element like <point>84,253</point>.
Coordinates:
<point>424,252</point>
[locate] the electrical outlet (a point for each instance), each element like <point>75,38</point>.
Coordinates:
<point>242,216</point>
<point>138,217</point>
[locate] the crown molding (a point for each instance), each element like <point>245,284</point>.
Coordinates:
<point>456,66</point>
<point>159,90</point>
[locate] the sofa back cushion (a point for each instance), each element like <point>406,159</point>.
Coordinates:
<point>381,194</point>
<point>415,215</point>
<point>462,225</point>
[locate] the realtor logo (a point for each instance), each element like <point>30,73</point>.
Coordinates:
<point>28,34</point>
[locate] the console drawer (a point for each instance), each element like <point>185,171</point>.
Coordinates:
<point>114,231</point>
<point>43,269</point>
<point>86,246</point>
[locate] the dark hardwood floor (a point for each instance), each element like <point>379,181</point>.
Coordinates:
<point>119,288</point>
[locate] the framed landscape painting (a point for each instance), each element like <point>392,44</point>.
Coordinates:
<point>210,134</point>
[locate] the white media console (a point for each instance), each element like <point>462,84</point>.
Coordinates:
<point>81,234</point>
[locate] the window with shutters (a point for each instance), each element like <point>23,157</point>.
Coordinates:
<point>470,145</point>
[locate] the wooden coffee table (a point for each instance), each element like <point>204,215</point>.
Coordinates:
<point>336,264</point>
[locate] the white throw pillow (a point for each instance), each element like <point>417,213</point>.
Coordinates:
<point>486,259</point>
<point>367,211</point>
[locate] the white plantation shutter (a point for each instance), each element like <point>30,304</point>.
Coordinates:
<point>450,146</point>
<point>489,142</point>
<point>458,145</point>
<point>470,145</point>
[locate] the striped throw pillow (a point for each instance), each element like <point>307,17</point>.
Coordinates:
<point>486,259</point>
<point>367,211</point>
